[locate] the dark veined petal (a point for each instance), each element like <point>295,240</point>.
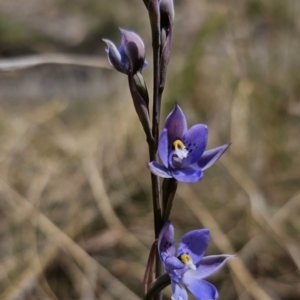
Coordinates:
<point>115,58</point>
<point>187,175</point>
<point>134,48</point>
<point>175,124</point>
<point>166,241</point>
<point>201,289</point>
<point>195,140</point>
<point>159,170</point>
<point>179,292</point>
<point>194,243</point>
<point>209,157</point>
<point>163,147</point>
<point>208,266</point>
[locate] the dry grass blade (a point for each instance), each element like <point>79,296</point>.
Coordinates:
<point>65,242</point>
<point>24,62</point>
<point>260,208</point>
<point>284,212</point>
<point>89,282</point>
<point>104,204</point>
<point>38,262</point>
<point>27,279</point>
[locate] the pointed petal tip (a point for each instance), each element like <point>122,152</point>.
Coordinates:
<point>123,31</point>
<point>130,34</point>
<point>209,265</point>
<point>167,226</point>
<point>225,256</point>
<point>226,146</point>
<point>145,65</point>
<point>168,222</point>
<point>206,231</point>
<point>109,43</point>
<point>176,124</point>
<point>231,256</point>
<point>106,41</point>
<point>177,106</point>
<point>209,157</point>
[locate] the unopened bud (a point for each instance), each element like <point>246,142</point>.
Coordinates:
<point>130,56</point>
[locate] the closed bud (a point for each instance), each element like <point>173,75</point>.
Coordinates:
<point>130,56</point>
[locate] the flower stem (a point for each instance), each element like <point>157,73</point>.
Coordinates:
<point>154,15</point>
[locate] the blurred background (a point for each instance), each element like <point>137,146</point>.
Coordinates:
<point>75,200</point>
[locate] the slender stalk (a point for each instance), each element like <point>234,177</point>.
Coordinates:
<point>156,45</point>
<point>156,192</point>
<point>149,273</point>
<point>154,15</point>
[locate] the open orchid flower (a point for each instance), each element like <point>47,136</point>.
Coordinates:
<point>130,56</point>
<point>181,150</point>
<point>187,266</point>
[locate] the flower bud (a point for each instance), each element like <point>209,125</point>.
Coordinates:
<point>130,56</point>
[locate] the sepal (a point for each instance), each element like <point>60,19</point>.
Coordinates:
<point>134,48</point>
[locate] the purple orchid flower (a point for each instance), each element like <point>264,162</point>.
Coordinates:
<point>188,267</point>
<point>130,56</point>
<point>181,150</point>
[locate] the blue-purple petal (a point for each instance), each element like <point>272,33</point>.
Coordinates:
<point>208,266</point>
<point>201,289</point>
<point>175,124</point>
<point>188,175</point>
<point>194,243</point>
<point>163,146</point>
<point>195,140</point>
<point>209,157</point>
<point>166,241</point>
<point>115,58</point>
<point>134,48</point>
<point>159,170</point>
<point>179,292</point>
